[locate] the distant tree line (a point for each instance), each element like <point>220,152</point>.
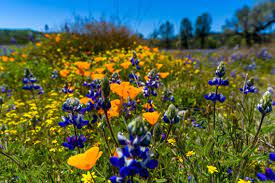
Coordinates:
<point>248,26</point>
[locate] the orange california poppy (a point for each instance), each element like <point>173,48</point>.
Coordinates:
<point>38,44</point>
<point>155,49</point>
<point>5,58</point>
<point>141,63</point>
<point>100,70</point>
<point>97,76</point>
<point>159,66</point>
<point>57,38</point>
<point>125,90</point>
<point>83,65</point>
<point>85,100</point>
<point>125,65</point>
<point>86,160</point>
<point>151,117</point>
<point>163,74</point>
<point>110,67</point>
<point>64,73</point>
<point>11,59</point>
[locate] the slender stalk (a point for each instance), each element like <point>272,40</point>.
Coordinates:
<point>110,128</point>
<point>243,163</point>
<point>169,129</point>
<point>106,140</point>
<point>258,131</point>
<point>243,99</point>
<point>214,113</point>
<point>11,158</point>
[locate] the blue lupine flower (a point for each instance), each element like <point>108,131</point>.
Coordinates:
<point>152,84</point>
<point>249,87</point>
<point>198,125</point>
<point>134,157</point>
<point>215,97</point>
<point>96,93</point>
<point>29,82</point>
<point>54,74</point>
<point>74,117</point>
<point>129,106</point>
<point>66,89</point>
<point>272,156</point>
<point>263,54</point>
<point>76,120</point>
<point>217,81</point>
<point>115,78</point>
<point>135,79</point>
<point>134,61</point>
<point>75,141</point>
<point>269,175</point>
<point>167,96</point>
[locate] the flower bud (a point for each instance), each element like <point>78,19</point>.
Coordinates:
<point>105,87</point>
<point>220,72</point>
<point>136,127</point>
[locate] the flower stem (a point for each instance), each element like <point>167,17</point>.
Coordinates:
<point>258,131</point>
<point>169,129</point>
<point>110,128</point>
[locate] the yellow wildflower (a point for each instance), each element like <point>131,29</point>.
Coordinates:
<point>89,177</point>
<point>190,153</point>
<point>212,169</point>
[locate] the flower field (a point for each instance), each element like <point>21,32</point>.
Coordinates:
<point>139,114</point>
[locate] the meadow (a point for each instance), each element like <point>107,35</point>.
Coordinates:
<point>139,114</point>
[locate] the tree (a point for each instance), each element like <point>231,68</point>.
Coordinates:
<point>46,28</point>
<point>185,32</point>
<point>203,27</point>
<point>166,32</point>
<point>249,23</point>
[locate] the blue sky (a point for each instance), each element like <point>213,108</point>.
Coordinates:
<point>141,15</point>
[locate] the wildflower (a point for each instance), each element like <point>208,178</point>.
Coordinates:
<point>151,117</point>
<point>172,141</point>
<point>269,175</point>
<point>75,141</point>
<point>125,90</point>
<point>249,87</point>
<point>167,96</point>
<point>265,105</point>
<point>244,181</point>
<point>89,177</point>
<point>64,73</point>
<point>217,81</point>
<point>29,82</point>
<point>66,89</point>
<point>115,78</point>
<point>170,116</point>
<point>134,61</point>
<point>272,156</point>
<point>149,106</point>
<point>159,66</point>
<point>125,65</point>
<point>54,74</point>
<point>129,106</point>
<point>164,74</point>
<point>134,157</point>
<point>83,65</point>
<point>212,169</point>
<point>151,84</point>
<point>86,160</point>
<point>190,153</point>
<point>198,125</point>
